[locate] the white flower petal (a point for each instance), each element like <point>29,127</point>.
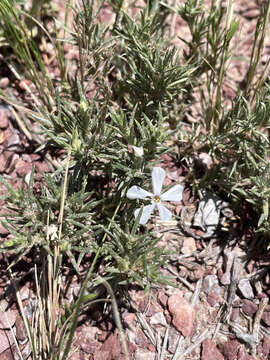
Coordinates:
<point>138,151</point>
<point>158,175</point>
<point>173,194</point>
<point>164,213</point>
<point>146,213</point>
<point>136,192</point>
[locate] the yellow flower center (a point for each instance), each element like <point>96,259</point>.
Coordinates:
<point>156,199</point>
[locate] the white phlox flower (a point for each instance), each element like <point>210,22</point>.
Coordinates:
<point>138,151</point>
<point>173,194</point>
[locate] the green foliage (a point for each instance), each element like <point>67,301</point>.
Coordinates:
<point>102,127</point>
<point>152,75</point>
<point>33,220</point>
<point>128,86</point>
<point>133,257</point>
<point>237,140</point>
<point>240,150</point>
<point>241,145</point>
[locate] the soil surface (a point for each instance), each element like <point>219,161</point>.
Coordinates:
<point>219,306</point>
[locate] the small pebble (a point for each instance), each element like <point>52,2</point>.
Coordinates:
<point>3,118</point>
<point>13,143</point>
<point>226,278</point>
<point>189,246</point>
<point>245,289</point>
<point>210,283</point>
<point>21,332</point>
<point>249,307</point>
<point>158,319</point>
<point>266,315</point>
<point>210,351</point>
<point>4,82</point>
<point>7,319</point>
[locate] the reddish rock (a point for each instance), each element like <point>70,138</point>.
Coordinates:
<point>141,340</point>
<point>102,337</point>
<point>243,355</point>
<point>89,346</point>
<point>266,315</point>
<point>3,118</point>
<point>210,351</point>
<point>197,274</point>
<point>90,332</point>
<point>183,314</point>
<point>6,340</point>
<point>7,319</point>
<point>106,15</point>
<point>225,279</point>
<point>112,344</point>
<point>210,283</point>
<point>105,325</point>
<point>129,320</point>
<point>4,82</point>
<point>266,346</point>
<point>163,299</point>
<point>213,298</point>
<point>189,246</point>
<point>87,342</point>
<point>229,349</point>
<point>102,354</point>
<point>34,157</point>
<point>23,169</point>
<point>4,162</point>
<point>21,332</point>
<point>153,309</point>
<point>249,307</point>
<point>42,166</point>
<point>131,349</point>
<point>151,347</point>
<point>4,135</point>
<point>139,299</point>
<point>7,355</point>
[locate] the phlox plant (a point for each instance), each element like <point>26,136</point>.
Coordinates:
<point>101,132</point>
<point>113,110</point>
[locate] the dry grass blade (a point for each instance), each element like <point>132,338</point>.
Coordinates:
<point>232,290</point>
<point>179,348</point>
<point>256,324</point>
<point>146,328</point>
<point>204,335</point>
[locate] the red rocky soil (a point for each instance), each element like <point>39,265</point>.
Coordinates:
<point>219,307</point>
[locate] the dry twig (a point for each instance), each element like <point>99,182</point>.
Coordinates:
<point>256,324</point>
<point>231,290</point>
